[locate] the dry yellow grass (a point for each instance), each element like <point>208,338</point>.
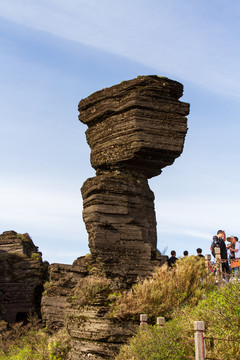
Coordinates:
<point>166,290</point>
<point>87,289</point>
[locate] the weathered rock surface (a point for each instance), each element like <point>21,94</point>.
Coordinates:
<point>78,297</point>
<point>22,274</point>
<point>94,334</point>
<point>120,219</point>
<point>135,129</point>
<point>139,124</point>
<point>62,280</point>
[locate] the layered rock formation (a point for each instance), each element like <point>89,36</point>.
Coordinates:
<point>62,281</point>
<point>135,129</point>
<point>120,219</point>
<point>22,274</point>
<point>93,334</point>
<point>78,297</point>
<point>139,124</point>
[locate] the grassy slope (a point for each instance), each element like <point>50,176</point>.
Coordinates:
<point>183,295</point>
<point>31,342</point>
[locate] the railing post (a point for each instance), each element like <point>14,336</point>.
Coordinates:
<point>200,352</point>
<point>207,261</point>
<point>218,263</point>
<point>160,321</point>
<point>143,319</point>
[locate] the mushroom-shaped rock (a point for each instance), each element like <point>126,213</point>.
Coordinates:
<point>135,129</point>
<point>139,124</point>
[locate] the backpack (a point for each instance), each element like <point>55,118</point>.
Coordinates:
<point>215,243</point>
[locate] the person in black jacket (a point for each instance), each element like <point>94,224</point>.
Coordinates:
<point>199,253</point>
<point>172,259</point>
<point>219,241</point>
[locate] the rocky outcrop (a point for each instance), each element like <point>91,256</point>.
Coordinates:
<point>79,297</point>
<point>135,129</point>
<point>139,124</point>
<point>62,281</point>
<point>22,274</point>
<point>93,334</point>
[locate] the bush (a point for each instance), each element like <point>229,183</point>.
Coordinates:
<point>221,313</point>
<point>89,288</point>
<point>30,346</point>
<point>154,343</point>
<point>58,345</point>
<point>31,342</point>
<point>167,289</point>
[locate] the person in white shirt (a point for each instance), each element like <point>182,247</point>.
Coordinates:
<point>236,252</point>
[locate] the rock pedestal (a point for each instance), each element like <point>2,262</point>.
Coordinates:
<point>120,219</point>
<point>135,129</point>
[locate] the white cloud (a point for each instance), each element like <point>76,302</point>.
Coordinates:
<point>189,232</point>
<point>186,40</point>
<point>199,218</point>
<point>48,209</point>
<point>52,217</point>
<point>193,41</point>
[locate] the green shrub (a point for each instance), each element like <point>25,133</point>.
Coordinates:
<point>220,311</point>
<point>22,237</point>
<point>21,353</point>
<point>31,342</point>
<point>58,345</point>
<point>156,343</point>
<point>31,346</point>
<point>35,256</point>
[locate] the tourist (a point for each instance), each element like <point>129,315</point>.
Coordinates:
<point>172,260</point>
<point>219,241</point>
<point>199,252</point>
<point>185,253</point>
<point>235,251</point>
<point>230,246</point>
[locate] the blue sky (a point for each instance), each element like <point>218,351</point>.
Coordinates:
<point>54,53</point>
